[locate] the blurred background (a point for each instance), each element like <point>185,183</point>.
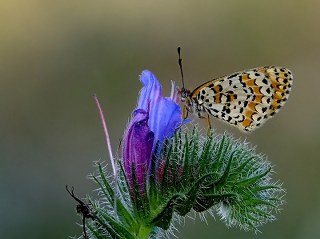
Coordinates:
<point>54,55</point>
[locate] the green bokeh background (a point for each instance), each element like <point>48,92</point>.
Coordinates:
<point>54,55</point>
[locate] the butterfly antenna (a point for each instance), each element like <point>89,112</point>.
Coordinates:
<point>180,66</point>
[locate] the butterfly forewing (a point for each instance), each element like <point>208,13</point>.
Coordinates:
<point>245,99</point>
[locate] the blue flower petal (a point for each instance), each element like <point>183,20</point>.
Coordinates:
<point>151,90</point>
<point>165,118</point>
<point>164,113</point>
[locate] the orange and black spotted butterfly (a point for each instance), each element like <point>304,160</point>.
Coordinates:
<point>246,99</point>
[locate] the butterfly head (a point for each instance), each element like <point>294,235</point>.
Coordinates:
<point>185,96</point>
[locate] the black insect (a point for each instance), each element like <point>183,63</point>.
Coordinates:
<point>83,209</point>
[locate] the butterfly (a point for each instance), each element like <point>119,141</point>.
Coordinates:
<point>246,99</point>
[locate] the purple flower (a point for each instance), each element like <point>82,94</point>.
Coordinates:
<point>137,148</point>
<point>155,119</point>
<point>164,112</point>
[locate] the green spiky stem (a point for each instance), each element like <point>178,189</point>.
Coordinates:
<point>144,232</point>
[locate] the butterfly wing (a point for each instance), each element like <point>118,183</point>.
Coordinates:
<point>245,99</point>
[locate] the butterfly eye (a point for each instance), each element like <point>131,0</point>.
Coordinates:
<point>184,94</point>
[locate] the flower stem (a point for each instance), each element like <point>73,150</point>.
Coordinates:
<point>144,232</point>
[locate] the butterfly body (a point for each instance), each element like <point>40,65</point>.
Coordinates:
<point>245,99</point>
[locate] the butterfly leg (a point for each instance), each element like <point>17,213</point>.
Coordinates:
<point>185,113</point>
<point>209,123</point>
<point>200,116</point>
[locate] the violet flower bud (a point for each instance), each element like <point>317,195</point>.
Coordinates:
<point>137,149</point>
<point>155,119</point>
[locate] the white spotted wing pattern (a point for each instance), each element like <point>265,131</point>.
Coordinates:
<point>245,99</point>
